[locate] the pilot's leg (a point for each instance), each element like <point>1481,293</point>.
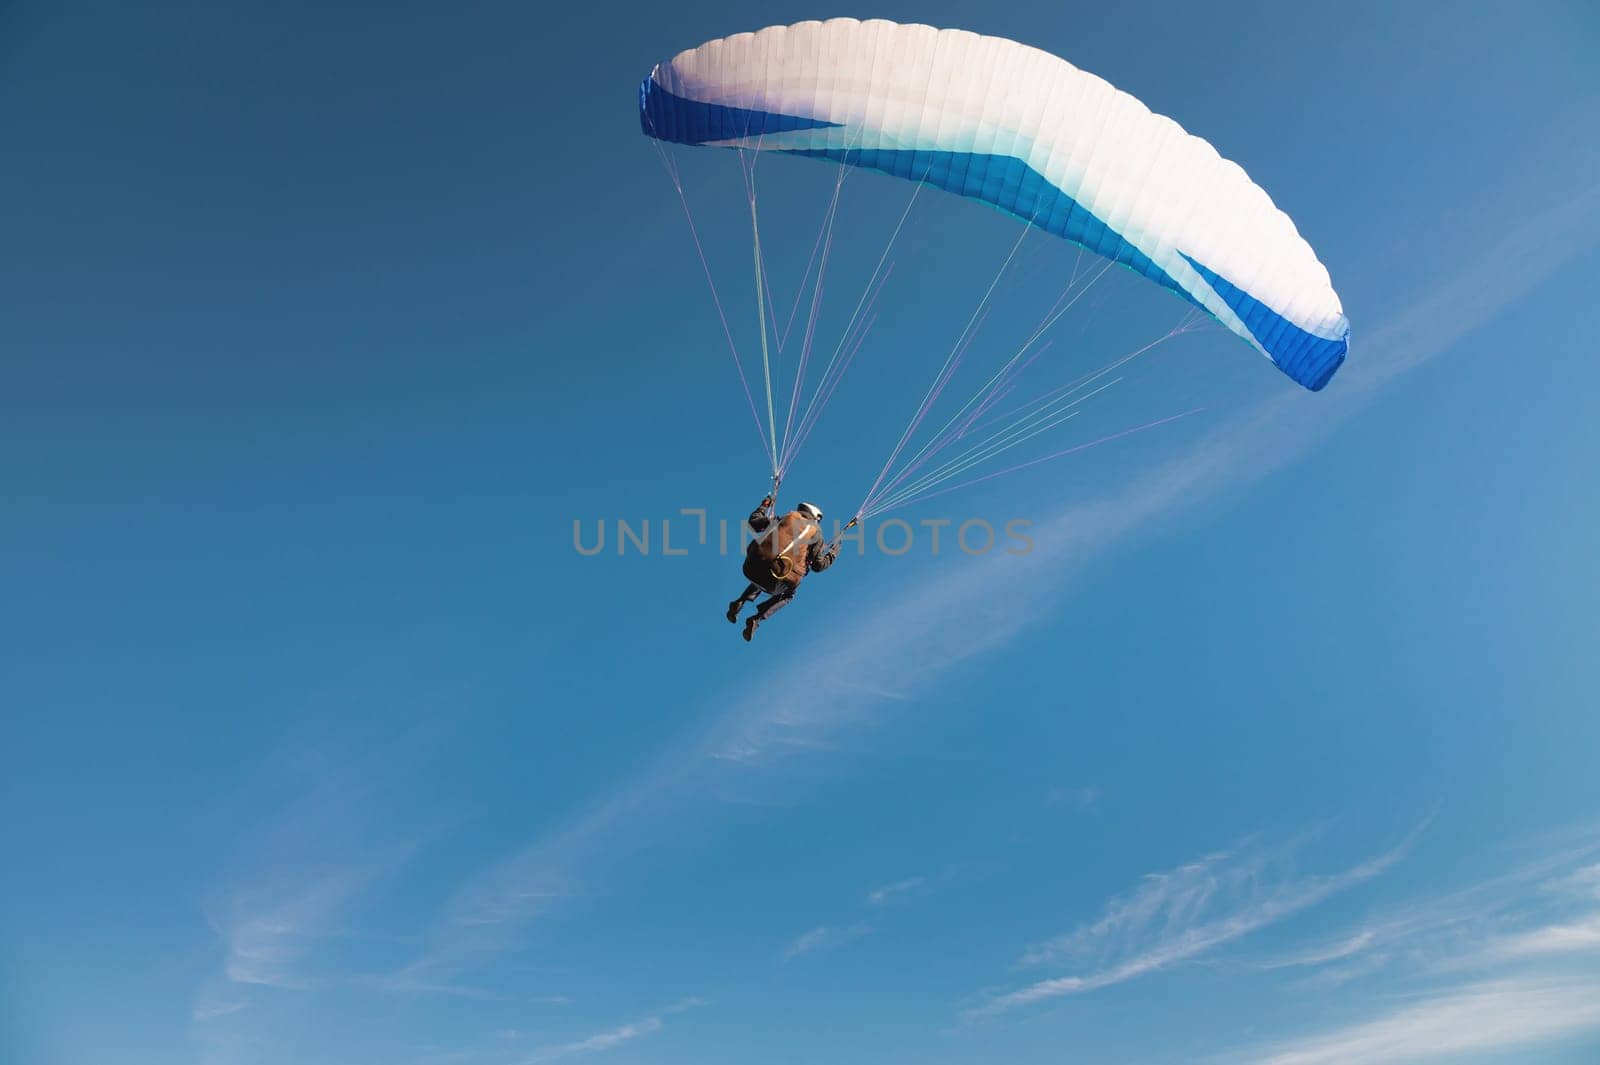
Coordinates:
<point>769,607</point>
<point>749,596</point>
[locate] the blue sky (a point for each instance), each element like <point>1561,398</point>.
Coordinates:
<point>320,743</point>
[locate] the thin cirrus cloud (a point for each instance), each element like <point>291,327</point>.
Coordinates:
<point>1084,799</point>
<point>828,937</point>
<point>1543,906</point>
<point>896,891</point>
<point>271,933</point>
<point>1572,938</point>
<point>1476,1018</point>
<point>612,1038</point>
<point>312,864</point>
<point>1344,947</point>
<point>286,912</point>
<point>606,1040</point>
<point>825,937</point>
<point>1181,915</point>
<point>1504,964</point>
<point>1585,881</point>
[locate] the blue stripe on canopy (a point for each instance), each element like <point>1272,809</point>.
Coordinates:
<point>1308,359</point>
<point>667,116</point>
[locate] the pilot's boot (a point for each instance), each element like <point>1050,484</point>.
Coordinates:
<point>750,627</point>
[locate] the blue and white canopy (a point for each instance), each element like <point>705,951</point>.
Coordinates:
<point>1030,134</point>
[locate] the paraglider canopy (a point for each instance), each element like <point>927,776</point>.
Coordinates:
<point>1030,134</point>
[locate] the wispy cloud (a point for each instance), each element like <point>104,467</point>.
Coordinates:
<point>265,939</point>
<point>896,891</point>
<point>320,834</point>
<point>1541,905</point>
<point>825,937</point>
<point>1572,938</point>
<point>1182,914</point>
<point>210,1011</point>
<point>612,1038</point>
<point>1585,881</point>
<point>606,1040</point>
<point>291,893</point>
<point>1338,950</point>
<point>1085,799</point>
<point>1506,962</point>
<point>1477,1018</point>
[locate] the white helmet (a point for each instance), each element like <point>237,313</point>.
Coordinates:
<point>810,510</point>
